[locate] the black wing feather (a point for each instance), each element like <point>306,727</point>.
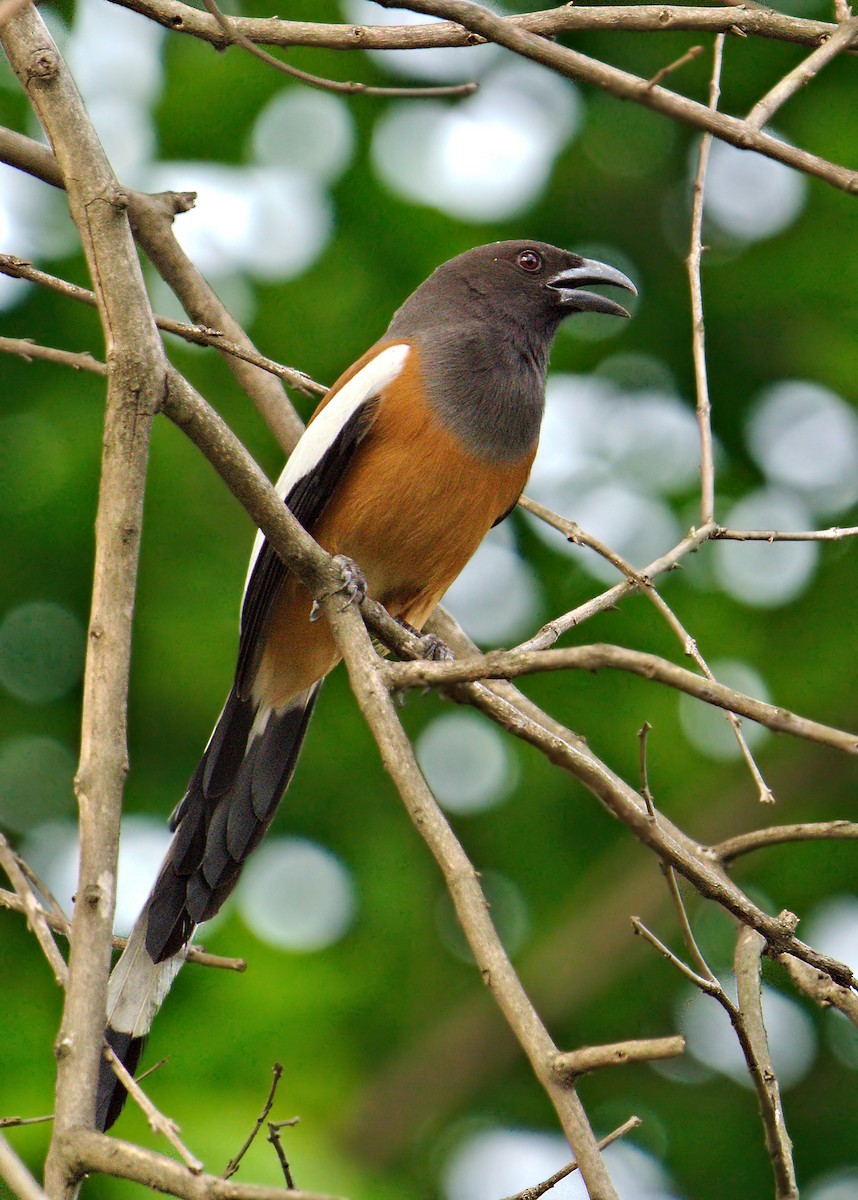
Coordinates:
<point>306,501</point>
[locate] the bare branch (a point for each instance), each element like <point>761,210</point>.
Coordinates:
<point>233,1164</point>
<point>509,664</point>
<point>540,1189</point>
<point>29,350</point>
<point>749,949</point>
<point>820,988</point>
<point>96,1153</point>
<point>59,923</point>
<point>682,61</point>
<point>34,911</point>
<point>464,889</point>
<point>617,1054</point>
<point>553,22</point>
<point>698,339</point>
<point>777,835</point>
<point>158,1123</point>
<point>707,984</point>
<point>135,387</point>
<point>232,35</point>
<point>577,66</point>
<point>766,108</point>
<point>834,534</point>
<point>555,628</point>
<point>198,335</point>
<point>574,533</point>
<point>19,1179</point>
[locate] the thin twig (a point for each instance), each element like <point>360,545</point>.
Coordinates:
<point>158,1123</point>
<point>510,664</point>
<point>682,61</point>
<point>233,1164</point>
<point>13,1122</point>
<point>834,534</point>
<point>540,1189</point>
<point>574,533</point>
<point>557,626</point>
<point>29,350</point>
<point>820,988</point>
<point>36,916</point>
<point>234,36</point>
<point>698,341</point>
<point>573,1063</point>
<point>626,86</point>
<point>198,335</point>
<point>766,108</point>
<point>15,1172</point>
<point>710,986</point>
<point>274,1128</point>
<point>777,835</point>
<point>60,924</point>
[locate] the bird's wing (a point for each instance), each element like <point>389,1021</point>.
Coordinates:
<point>312,472</point>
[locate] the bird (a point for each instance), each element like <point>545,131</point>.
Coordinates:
<point>417,450</point>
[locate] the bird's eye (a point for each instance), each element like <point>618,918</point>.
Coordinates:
<point>529,261</point>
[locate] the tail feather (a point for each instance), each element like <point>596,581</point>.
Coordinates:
<point>230,803</point>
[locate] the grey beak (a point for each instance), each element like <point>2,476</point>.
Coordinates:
<point>568,285</point>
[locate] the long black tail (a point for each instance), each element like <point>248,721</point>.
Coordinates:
<point>230,802</point>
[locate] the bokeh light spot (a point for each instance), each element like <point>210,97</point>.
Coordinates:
<point>832,928</point>
<point>496,597</point>
<point>298,896</point>
<point>36,781</point>
<point>497,1162</point>
<point>308,131</point>
<point>804,436</point>
<point>271,221</point>
<point>467,762</point>
<point>711,1039</point>
<point>760,573</point>
<point>41,651</point>
<point>748,196</point>
<point>837,1185</point>
<point>488,157</point>
<point>707,728</point>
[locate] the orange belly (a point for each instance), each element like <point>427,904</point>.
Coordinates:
<point>411,509</point>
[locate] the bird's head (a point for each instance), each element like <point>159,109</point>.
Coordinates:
<point>528,286</point>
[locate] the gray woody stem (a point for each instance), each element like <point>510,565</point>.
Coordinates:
<point>464,888</point>
<point>135,387</point>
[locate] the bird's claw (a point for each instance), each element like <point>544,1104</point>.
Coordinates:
<point>353,588</point>
<point>431,646</point>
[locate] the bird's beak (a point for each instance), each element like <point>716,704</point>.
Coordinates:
<point>568,285</point>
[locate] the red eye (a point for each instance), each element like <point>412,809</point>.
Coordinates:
<point>529,260</point>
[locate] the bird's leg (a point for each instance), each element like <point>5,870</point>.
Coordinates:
<point>431,646</point>
<point>353,587</point>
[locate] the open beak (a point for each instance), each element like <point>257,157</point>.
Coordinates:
<point>568,285</point>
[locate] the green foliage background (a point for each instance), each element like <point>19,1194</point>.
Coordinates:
<point>390,992</point>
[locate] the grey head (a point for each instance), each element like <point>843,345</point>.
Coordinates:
<point>483,324</point>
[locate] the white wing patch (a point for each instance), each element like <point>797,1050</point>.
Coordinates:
<point>322,432</point>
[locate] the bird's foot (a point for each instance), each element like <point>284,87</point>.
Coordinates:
<point>352,590</point>
<point>431,646</point>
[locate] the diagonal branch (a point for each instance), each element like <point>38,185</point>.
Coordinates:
<point>626,86</point>
<point>839,40</point>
